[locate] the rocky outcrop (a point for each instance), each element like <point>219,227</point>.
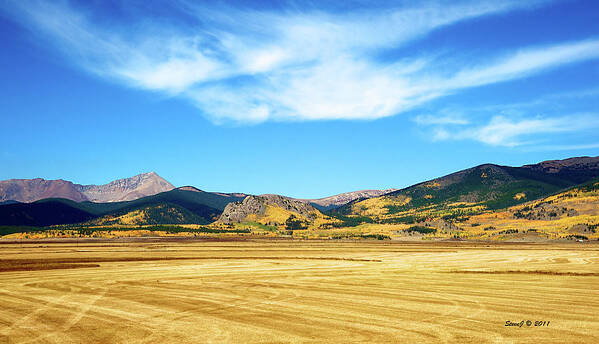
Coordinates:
<point>239,211</point>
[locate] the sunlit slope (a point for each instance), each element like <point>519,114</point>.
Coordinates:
<point>163,213</point>
<point>275,211</point>
<point>544,201</point>
<point>492,186</point>
<point>572,214</point>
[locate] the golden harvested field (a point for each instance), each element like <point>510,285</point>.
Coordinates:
<point>297,292</point>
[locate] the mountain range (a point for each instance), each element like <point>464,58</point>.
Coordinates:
<point>127,189</point>
<point>180,205</point>
<point>443,203</point>
<point>493,186</point>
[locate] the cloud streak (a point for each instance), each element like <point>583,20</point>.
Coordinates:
<point>510,132</point>
<point>249,66</point>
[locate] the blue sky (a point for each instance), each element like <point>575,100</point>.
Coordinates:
<point>306,99</point>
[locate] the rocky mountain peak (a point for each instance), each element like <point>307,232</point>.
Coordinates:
<point>127,189</point>
<point>30,190</point>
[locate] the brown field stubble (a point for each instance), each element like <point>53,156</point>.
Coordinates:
<point>297,292</point>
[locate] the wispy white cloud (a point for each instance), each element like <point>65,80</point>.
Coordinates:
<point>525,62</point>
<point>509,132</point>
<point>250,65</point>
<point>536,124</point>
<point>442,119</point>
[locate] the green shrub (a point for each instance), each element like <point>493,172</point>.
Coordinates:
<point>294,223</point>
<point>421,230</point>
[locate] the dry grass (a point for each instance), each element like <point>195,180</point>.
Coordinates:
<point>7,266</point>
<point>533,272</point>
<point>299,292</point>
<point>377,206</point>
<point>70,263</point>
